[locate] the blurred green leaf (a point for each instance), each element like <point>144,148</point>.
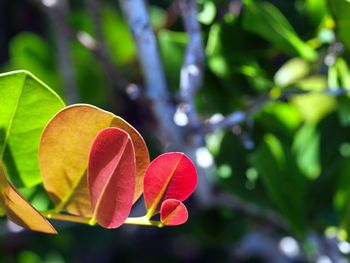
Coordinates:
<point>340,10</point>
<point>309,105</point>
<point>213,142</point>
<point>280,118</point>
<point>158,17</point>
<point>333,82</point>
<point>266,20</point>
<point>291,71</point>
<point>343,73</point>
<point>38,198</point>
<point>118,36</point>
<point>172,46</point>
<point>232,169</point>
<point>207,12</point>
<point>306,147</point>
<point>217,63</point>
<point>27,256</point>
<point>54,257</point>
<point>316,10</point>
<point>91,81</point>
<point>339,75</point>
<point>344,109</point>
<point>342,196</point>
<point>312,83</point>
<point>30,52</point>
<point>283,183</point>
<point>256,75</point>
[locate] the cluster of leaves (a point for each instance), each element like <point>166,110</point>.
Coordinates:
<point>291,79</point>
<point>283,63</point>
<point>296,76</point>
<point>93,164</point>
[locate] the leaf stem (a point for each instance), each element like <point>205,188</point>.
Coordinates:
<point>70,218</point>
<point>143,220</point>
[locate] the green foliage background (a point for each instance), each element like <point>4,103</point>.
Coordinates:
<point>284,63</point>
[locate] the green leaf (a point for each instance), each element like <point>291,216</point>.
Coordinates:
<point>343,73</point>
<point>91,81</point>
<point>208,12</point>
<point>344,109</point>
<point>158,17</point>
<point>312,83</point>
<point>172,47</point>
<point>281,179</point>
<point>26,106</point>
<point>30,52</point>
<point>306,147</point>
<point>293,70</point>
<point>342,196</point>
<point>266,20</point>
<point>316,10</point>
<point>118,36</point>
<point>309,106</point>
<point>340,10</point>
<point>280,117</point>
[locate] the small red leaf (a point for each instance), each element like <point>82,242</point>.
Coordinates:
<point>111,177</point>
<point>173,212</point>
<point>169,176</point>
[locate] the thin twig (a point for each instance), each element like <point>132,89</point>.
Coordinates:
<point>237,117</point>
<point>192,69</point>
<point>249,209</point>
<point>191,78</point>
<point>228,121</point>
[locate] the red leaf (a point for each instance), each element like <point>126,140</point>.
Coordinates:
<point>111,177</point>
<point>169,176</point>
<point>173,212</point>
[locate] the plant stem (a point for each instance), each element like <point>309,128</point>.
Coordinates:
<point>70,218</point>
<point>142,221</point>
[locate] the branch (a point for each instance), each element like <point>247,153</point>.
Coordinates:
<point>228,121</point>
<point>192,69</point>
<point>137,17</point>
<point>249,209</point>
<point>237,117</point>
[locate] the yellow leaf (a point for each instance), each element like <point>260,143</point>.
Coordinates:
<point>63,155</point>
<point>19,210</point>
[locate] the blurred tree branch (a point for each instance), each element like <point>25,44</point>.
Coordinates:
<point>136,14</point>
<point>192,69</point>
<point>190,81</point>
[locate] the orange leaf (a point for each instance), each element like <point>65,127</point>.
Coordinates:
<point>19,210</point>
<point>64,150</point>
<point>111,177</point>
